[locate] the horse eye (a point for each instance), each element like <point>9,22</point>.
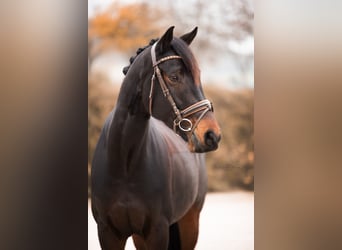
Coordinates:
<point>173,78</point>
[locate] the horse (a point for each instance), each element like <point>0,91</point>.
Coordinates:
<point>148,177</point>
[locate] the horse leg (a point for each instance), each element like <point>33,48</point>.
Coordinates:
<point>158,236</point>
<point>139,242</point>
<point>188,229</point>
<point>174,238</point>
<point>109,240</point>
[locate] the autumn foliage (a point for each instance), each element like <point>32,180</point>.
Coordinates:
<point>123,28</point>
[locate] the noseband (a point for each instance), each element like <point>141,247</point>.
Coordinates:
<point>181,119</point>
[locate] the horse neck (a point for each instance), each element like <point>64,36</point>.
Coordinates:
<point>129,125</point>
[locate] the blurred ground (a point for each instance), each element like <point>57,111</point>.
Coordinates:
<point>227,222</point>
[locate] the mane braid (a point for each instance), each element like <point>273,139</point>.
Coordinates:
<point>131,60</point>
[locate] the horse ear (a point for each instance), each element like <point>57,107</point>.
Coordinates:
<point>165,41</point>
<point>189,37</point>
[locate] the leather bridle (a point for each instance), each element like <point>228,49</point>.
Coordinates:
<point>181,119</point>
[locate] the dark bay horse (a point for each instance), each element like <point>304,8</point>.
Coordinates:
<point>148,174</point>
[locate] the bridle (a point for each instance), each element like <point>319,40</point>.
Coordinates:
<point>181,119</point>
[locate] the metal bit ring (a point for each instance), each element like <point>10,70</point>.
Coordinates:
<point>185,125</point>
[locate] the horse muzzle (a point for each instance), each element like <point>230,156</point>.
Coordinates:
<point>211,143</point>
<point>206,136</point>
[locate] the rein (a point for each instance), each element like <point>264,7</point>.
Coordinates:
<point>181,119</point>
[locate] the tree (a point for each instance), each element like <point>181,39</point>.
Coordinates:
<point>123,28</point>
<point>221,20</point>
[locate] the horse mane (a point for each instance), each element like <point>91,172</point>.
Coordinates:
<point>131,60</point>
<point>181,48</point>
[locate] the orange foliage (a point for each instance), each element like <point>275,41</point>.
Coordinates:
<point>126,28</point>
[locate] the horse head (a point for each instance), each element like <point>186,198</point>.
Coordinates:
<point>171,90</point>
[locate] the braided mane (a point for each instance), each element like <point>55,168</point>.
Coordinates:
<point>131,60</point>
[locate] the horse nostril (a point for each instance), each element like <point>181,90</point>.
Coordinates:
<point>211,139</point>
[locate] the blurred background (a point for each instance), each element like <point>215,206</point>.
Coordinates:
<point>224,48</point>
<point>297,124</point>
